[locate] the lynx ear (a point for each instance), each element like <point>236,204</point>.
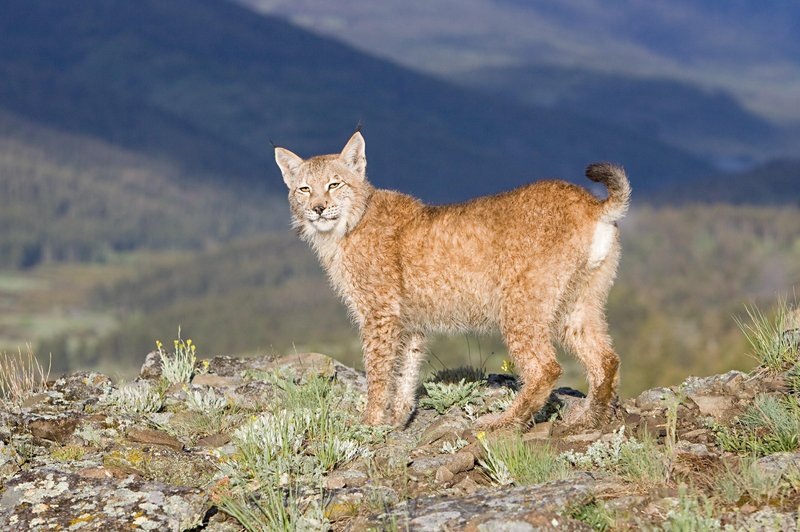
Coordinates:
<point>288,162</point>
<point>354,155</point>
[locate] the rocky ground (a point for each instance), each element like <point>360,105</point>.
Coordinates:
<point>263,443</point>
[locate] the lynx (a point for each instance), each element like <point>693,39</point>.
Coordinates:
<point>536,263</point>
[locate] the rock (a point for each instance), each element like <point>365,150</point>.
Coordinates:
<point>83,385</point>
<point>46,498</point>
<point>349,478</point>
<point>443,475</point>
<point>518,504</point>
<point>448,426</point>
<point>103,472</point>
<point>560,402</point>
<point>540,431</point>
<point>731,383</point>
<point>533,522</point>
<point>34,400</point>
<point>154,437</point>
<point>585,437</point>
<point>654,398</point>
<point>253,395</point>
<point>766,519</point>
<point>468,485</point>
<point>58,429</point>
<point>215,381</point>
<point>777,464</point>
<point>455,463</point>
<point>151,369</point>
<point>214,441</point>
<point>720,407</point>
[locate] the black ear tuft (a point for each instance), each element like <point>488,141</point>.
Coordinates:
<point>273,144</point>
<point>359,127</point>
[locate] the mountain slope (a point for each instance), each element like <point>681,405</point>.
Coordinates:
<point>205,83</point>
<point>707,123</point>
<point>774,183</point>
<point>67,197</point>
<point>745,48</point>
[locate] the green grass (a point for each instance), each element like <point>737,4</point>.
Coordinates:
<point>765,335</point>
<point>693,513</point>
<point>747,482</point>
<point>594,513</point>
<point>770,425</point>
<point>511,460</point>
<point>312,426</point>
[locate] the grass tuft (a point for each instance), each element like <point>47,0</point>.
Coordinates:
<point>769,344</point>
<point>770,425</point>
<point>594,513</point>
<point>511,460</point>
<point>22,376</point>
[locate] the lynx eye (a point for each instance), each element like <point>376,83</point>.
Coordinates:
<point>304,190</point>
<point>333,185</point>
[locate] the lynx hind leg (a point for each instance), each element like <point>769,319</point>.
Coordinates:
<point>381,343</point>
<point>406,392</point>
<point>533,353</point>
<point>584,332</point>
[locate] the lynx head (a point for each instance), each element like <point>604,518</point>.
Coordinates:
<point>327,193</point>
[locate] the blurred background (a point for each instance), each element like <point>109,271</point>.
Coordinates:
<point>138,191</point>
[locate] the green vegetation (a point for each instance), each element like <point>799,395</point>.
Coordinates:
<point>511,460</point>
<point>179,367</point>
<point>637,461</point>
<point>770,425</point>
<point>442,396</point>
<point>595,514</point>
<point>765,334</point>
<point>311,428</point>
<point>136,398</point>
<point>694,513</point>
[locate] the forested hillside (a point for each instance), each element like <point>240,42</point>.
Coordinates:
<point>67,198</point>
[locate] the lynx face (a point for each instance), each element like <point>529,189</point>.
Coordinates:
<point>325,192</point>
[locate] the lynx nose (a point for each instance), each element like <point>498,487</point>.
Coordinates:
<point>318,209</point>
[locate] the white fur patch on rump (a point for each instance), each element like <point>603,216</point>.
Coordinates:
<point>603,239</point>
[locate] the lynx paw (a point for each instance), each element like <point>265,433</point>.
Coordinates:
<point>494,422</point>
<point>402,413</point>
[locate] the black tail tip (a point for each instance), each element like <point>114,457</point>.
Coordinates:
<point>601,172</point>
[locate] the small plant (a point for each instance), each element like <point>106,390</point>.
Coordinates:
<point>178,367</point>
<point>451,447</point>
<point>693,513</point>
<point>207,402</point>
<point>511,460</point>
<point>638,461</point>
<point>765,335</point>
<point>22,376</point>
<point>771,424</point>
<point>136,398</point>
<point>443,396</point>
<point>750,481</point>
<point>594,513</point>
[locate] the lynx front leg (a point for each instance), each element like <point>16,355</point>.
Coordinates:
<point>412,357</point>
<point>381,341</point>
